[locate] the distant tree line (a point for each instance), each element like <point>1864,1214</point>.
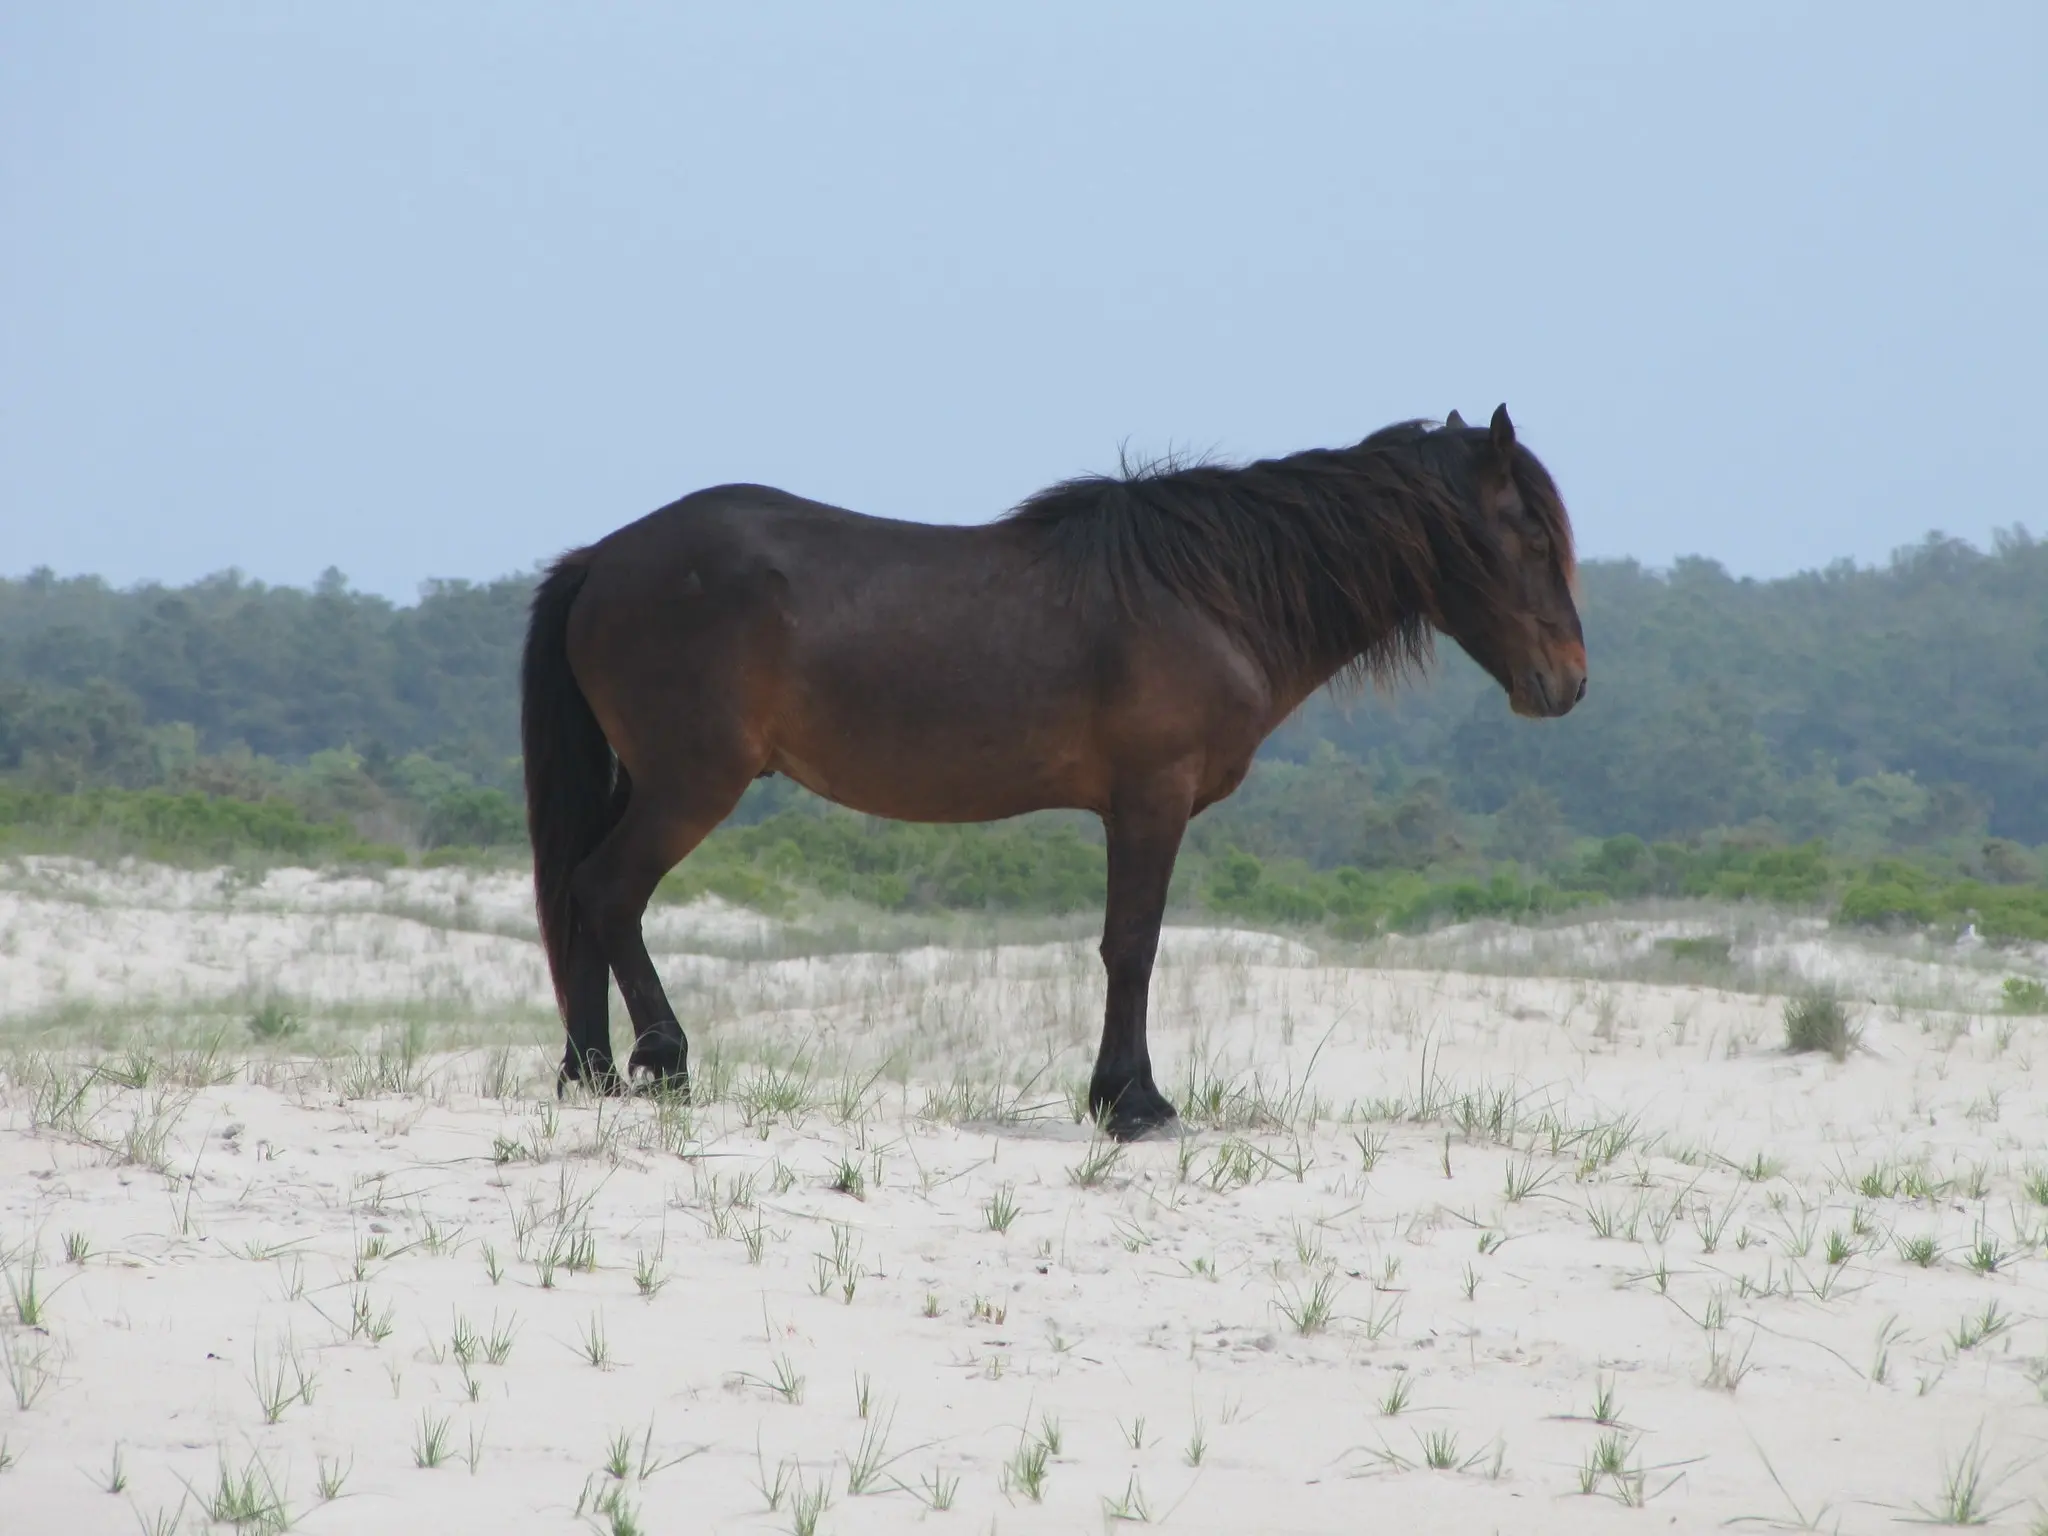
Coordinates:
<point>1897,712</point>
<point>1718,702</point>
<point>103,686</point>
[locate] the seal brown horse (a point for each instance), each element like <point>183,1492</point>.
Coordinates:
<point>1118,645</point>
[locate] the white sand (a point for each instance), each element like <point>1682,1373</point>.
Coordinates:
<point>1158,1293</point>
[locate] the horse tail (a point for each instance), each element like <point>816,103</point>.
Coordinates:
<point>572,778</point>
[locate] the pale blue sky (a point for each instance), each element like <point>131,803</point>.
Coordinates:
<point>440,290</point>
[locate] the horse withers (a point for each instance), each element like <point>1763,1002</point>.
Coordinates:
<point>1116,644</point>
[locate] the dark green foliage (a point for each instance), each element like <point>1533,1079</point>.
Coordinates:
<point>1734,868</point>
<point>1715,700</point>
<point>1894,893</point>
<point>1703,951</point>
<point>1356,902</point>
<point>1878,709</point>
<point>1041,865</point>
<point>187,826</point>
<point>1530,829</point>
<point>281,671</point>
<point>474,818</point>
<point>1047,864</point>
<point>1332,811</point>
<point>91,734</point>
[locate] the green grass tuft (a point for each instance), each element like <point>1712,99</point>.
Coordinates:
<point>1817,1019</point>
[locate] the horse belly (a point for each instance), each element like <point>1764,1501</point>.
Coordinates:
<point>937,739</point>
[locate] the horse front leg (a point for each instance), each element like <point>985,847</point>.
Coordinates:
<point>1144,834</point>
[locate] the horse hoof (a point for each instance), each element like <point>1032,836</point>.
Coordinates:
<point>1140,1110</point>
<point>672,1082</point>
<point>660,1062</point>
<point>595,1075</point>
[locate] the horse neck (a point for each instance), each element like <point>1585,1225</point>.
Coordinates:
<point>1292,691</point>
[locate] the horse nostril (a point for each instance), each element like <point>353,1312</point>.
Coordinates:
<point>1581,693</point>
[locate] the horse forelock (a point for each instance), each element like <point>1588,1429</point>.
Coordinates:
<point>1541,498</point>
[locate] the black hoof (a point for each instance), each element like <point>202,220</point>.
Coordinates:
<point>660,1062</point>
<point>1131,1111</point>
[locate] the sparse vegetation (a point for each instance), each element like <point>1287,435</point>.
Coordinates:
<point>249,1498</point>
<point>30,1361</point>
<point>430,1442</point>
<point>1000,1209</point>
<point>1969,1487</point>
<point>1099,1162</point>
<point>593,1345</point>
<point>1818,1019</point>
<point>1025,1472</point>
<point>1921,1249</point>
<point>1605,1408</point>
<point>1308,1309</point>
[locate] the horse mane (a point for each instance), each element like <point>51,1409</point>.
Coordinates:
<point>1334,555</point>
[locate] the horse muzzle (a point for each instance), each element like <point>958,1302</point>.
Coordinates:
<point>1544,693</point>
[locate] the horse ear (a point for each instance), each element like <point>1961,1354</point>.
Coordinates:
<point>1502,432</point>
<point>1454,422</point>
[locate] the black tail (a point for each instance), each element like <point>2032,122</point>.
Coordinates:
<point>572,779</point>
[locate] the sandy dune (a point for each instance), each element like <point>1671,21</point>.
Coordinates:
<point>1424,1215</point>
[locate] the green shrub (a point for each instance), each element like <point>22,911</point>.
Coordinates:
<point>1794,876</point>
<point>2005,911</point>
<point>1049,863</point>
<point>1698,951</point>
<point>1872,904</point>
<point>474,818</point>
<point>156,823</point>
<point>1041,866</point>
<point>2023,994</point>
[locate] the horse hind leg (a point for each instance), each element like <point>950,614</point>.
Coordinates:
<point>660,827</point>
<point>586,998</point>
<point>586,988</point>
